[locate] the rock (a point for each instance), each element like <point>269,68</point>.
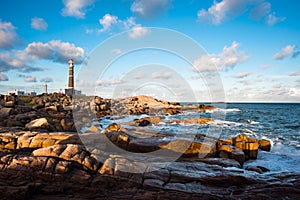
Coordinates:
<point>264,145</point>
<point>144,121</point>
<point>24,118</point>
<point>108,167</point>
<point>40,123</point>
<point>10,104</point>
<point>68,125</point>
<point>6,111</point>
<point>191,149</point>
<point>58,108</point>
<point>37,107</point>
<point>255,169</point>
<point>251,150</point>
<point>228,151</point>
<point>172,110</point>
<point>13,123</point>
<point>113,127</point>
<point>248,145</point>
<point>263,169</point>
<point>93,129</point>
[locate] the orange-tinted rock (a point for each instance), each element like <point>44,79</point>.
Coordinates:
<point>37,124</point>
<point>190,149</point>
<point>228,151</point>
<point>113,127</point>
<point>251,150</point>
<point>264,145</point>
<point>93,129</point>
<point>68,125</point>
<point>145,121</point>
<point>248,145</point>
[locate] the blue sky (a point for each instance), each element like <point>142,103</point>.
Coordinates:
<point>253,44</point>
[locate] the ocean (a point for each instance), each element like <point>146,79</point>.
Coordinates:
<point>278,122</point>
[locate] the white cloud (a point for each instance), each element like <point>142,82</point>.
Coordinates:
<point>30,79</point>
<point>161,75</point>
<point>129,23</point>
<point>227,9</point>
<point>76,8</point>
<point>294,92</point>
<point>260,10</point>
<point>296,73</point>
<point>110,22</point>
<point>15,60</point>
<point>137,32</point>
<point>219,11</point>
<point>46,80</point>
<point>271,19</point>
<point>8,35</point>
<point>139,75</point>
<point>150,8</point>
<point>107,22</point>
<point>117,51</point>
<point>242,74</point>
<point>110,82</point>
<point>286,51</point>
<point>39,24</point>
<point>229,57</point>
<point>3,77</point>
<point>55,50</point>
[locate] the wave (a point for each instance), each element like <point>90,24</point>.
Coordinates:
<point>224,110</point>
<point>252,122</point>
<point>224,123</point>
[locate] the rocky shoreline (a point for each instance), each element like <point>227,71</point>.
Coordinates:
<point>43,156</point>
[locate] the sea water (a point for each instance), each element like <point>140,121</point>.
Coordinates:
<point>277,122</point>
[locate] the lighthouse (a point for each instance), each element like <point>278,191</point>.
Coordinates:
<point>71,76</point>
<point>71,90</point>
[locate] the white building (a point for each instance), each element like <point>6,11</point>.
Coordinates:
<point>21,93</point>
<point>16,92</point>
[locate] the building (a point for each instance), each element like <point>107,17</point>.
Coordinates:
<point>32,94</point>
<point>21,93</point>
<point>16,92</point>
<point>71,90</point>
<point>45,89</point>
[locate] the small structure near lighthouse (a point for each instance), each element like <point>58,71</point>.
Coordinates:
<point>45,89</point>
<point>71,90</point>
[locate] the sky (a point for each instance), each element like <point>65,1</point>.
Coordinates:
<point>250,46</point>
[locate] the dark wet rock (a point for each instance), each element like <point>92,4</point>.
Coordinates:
<point>23,118</point>
<point>145,121</point>
<point>263,169</point>
<point>228,151</point>
<point>255,169</point>
<point>14,123</point>
<point>68,125</point>
<point>65,170</point>
<point>6,111</point>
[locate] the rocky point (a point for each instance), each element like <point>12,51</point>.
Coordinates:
<point>42,155</point>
